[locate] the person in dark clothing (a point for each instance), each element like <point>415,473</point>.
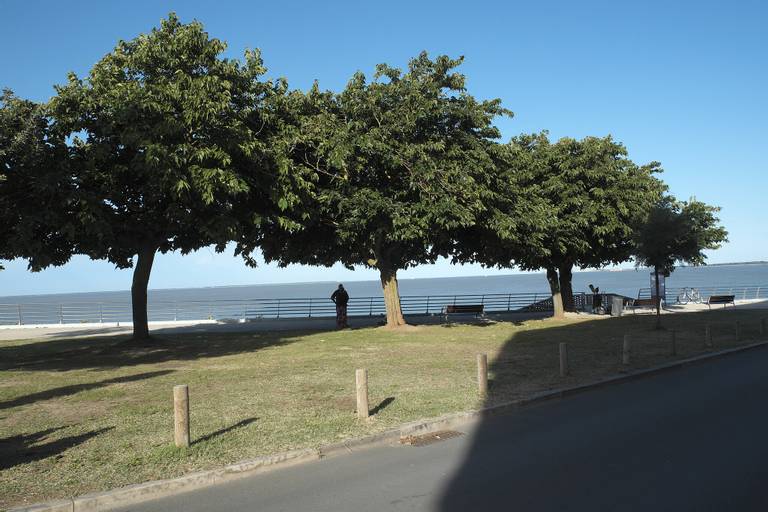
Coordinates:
<point>340,297</point>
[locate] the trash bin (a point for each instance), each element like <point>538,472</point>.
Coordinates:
<point>617,305</point>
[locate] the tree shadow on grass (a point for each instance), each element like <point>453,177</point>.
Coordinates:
<point>239,424</point>
<point>111,352</point>
<point>561,455</point>
<point>77,388</point>
<point>22,449</point>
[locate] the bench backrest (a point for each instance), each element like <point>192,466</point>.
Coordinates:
<point>464,308</point>
<point>644,302</point>
<point>721,299</point>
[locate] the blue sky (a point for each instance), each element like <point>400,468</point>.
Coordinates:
<point>680,82</point>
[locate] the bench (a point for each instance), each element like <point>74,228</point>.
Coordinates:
<point>721,299</point>
<point>643,303</point>
<point>463,309</point>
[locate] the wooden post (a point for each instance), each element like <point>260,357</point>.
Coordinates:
<point>708,335</point>
<point>625,354</point>
<point>181,415</point>
<point>563,359</point>
<point>361,384</point>
<point>482,374</point>
<point>737,326</point>
<point>673,342</point>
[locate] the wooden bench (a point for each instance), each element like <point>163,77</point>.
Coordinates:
<point>643,303</point>
<point>721,299</point>
<point>463,309</point>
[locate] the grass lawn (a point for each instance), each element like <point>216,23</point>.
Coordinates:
<point>88,414</point>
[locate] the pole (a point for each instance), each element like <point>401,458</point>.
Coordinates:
<point>708,335</point>
<point>181,415</point>
<point>361,385</point>
<point>482,374</point>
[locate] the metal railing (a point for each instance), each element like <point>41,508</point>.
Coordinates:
<point>158,311</point>
<point>740,292</point>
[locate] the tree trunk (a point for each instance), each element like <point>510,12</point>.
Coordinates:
<point>391,297</point>
<point>658,298</point>
<point>557,299</point>
<point>566,287</point>
<point>139,286</point>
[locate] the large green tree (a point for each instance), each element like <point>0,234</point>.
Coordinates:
<point>564,205</point>
<point>676,231</point>
<point>38,211</point>
<point>401,161</point>
<point>173,148</point>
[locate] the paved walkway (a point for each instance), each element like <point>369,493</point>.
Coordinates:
<point>297,324</point>
<point>689,440</point>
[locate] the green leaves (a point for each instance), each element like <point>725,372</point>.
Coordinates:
<point>675,231</point>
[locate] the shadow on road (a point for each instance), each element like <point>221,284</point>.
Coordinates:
<point>549,458</point>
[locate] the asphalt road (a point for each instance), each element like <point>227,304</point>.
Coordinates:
<point>692,439</point>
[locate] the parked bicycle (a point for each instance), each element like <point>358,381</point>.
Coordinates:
<point>689,295</point>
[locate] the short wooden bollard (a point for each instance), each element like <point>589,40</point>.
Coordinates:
<point>482,374</point>
<point>181,415</point>
<point>361,384</point>
<point>673,342</point>
<point>708,335</point>
<point>626,352</point>
<point>737,328</point>
<point>563,359</point>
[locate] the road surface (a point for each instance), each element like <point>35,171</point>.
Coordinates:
<point>691,439</point>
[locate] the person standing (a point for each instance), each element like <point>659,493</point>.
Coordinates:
<point>340,297</point>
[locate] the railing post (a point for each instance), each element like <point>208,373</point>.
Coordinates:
<point>509,302</point>
<point>278,308</point>
<point>101,312</point>
<point>427,305</point>
<point>61,313</point>
<point>482,299</point>
<point>310,307</point>
<point>175,311</point>
<point>370,310</point>
<point>21,321</point>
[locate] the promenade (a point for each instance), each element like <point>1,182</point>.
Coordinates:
<point>58,331</point>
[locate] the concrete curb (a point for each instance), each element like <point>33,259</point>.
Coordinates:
<point>159,488</point>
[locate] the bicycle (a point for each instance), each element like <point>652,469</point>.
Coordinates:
<point>689,295</point>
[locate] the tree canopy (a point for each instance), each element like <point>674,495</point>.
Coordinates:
<point>676,231</point>
<point>571,203</point>
<point>37,206</point>
<point>171,148</point>
<point>401,161</point>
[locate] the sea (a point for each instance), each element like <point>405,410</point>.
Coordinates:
<point>626,282</point>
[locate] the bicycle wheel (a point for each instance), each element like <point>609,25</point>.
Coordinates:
<point>696,296</point>
<point>683,298</point>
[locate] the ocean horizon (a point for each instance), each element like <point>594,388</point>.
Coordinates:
<point>624,281</point>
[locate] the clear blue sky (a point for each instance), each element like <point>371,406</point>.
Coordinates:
<point>680,82</point>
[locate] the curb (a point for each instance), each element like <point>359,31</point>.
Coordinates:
<point>137,493</point>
